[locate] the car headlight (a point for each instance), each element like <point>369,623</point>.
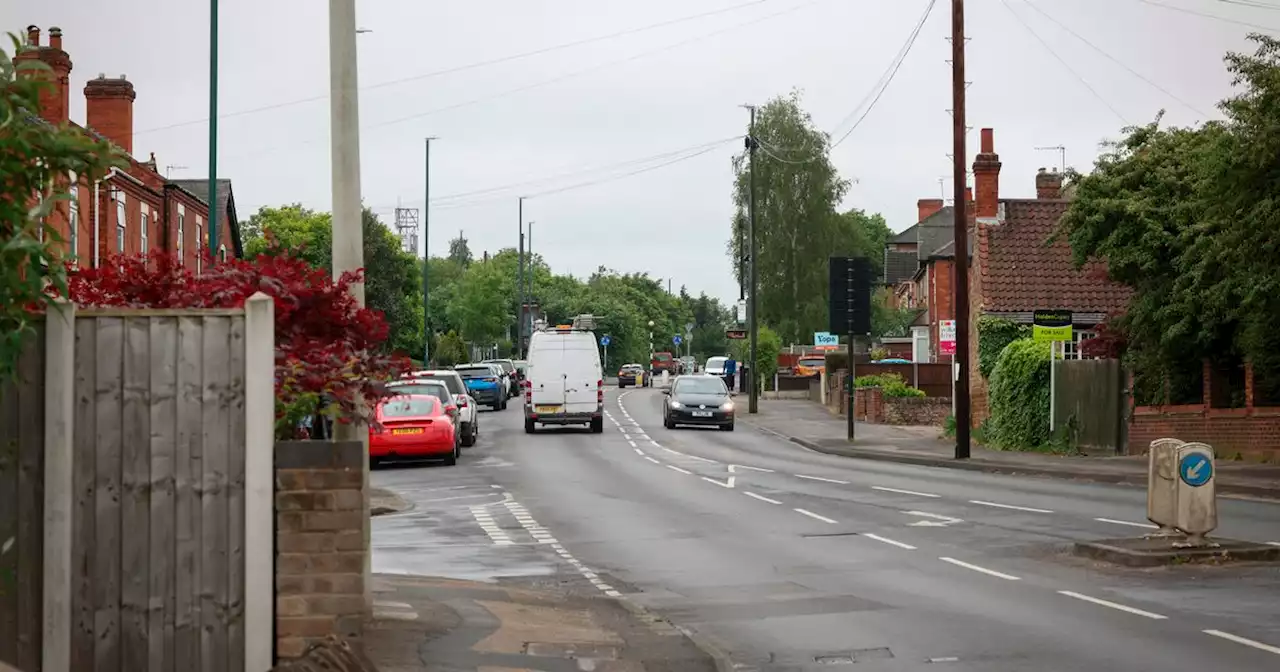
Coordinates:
<point>676,404</point>
<point>727,406</point>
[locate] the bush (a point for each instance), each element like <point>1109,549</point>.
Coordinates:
<point>1019,400</point>
<point>993,335</point>
<point>890,384</point>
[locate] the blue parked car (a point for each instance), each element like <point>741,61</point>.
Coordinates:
<point>484,385</point>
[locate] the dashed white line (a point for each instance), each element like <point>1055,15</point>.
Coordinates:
<point>904,492</point>
<point>1241,640</point>
<point>984,570</point>
<point>651,459</point>
<point>743,466</point>
<point>886,540</point>
<point>1112,605</point>
<point>815,516</point>
<point>638,451</point>
<point>824,480</point>
<point>1009,506</point>
<point>633,443</point>
<point>1125,522</point>
<point>683,471</point>
<point>761,498</point>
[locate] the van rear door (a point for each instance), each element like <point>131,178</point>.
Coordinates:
<point>582,373</point>
<point>546,375</point>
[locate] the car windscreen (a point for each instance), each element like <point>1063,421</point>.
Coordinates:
<point>716,362</point>
<point>633,367</point>
<point>700,386</point>
<point>662,356</point>
<point>446,377</point>
<point>438,391</point>
<point>474,372</point>
<point>409,407</point>
<point>508,367</point>
<point>813,362</point>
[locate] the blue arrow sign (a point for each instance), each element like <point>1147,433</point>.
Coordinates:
<point>604,340</point>
<point>1195,469</point>
<point>676,339</point>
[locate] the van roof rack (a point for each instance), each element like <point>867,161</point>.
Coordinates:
<point>585,322</point>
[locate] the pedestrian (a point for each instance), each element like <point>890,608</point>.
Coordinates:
<point>730,367</point>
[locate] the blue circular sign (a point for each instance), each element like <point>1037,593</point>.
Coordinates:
<point>1195,469</point>
<point>604,340</point>
<point>676,339</point>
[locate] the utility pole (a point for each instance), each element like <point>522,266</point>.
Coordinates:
<point>520,286</point>
<point>426,257</point>
<point>752,327</point>
<point>213,130</point>
<point>348,235</point>
<point>963,411</point>
<point>528,283</point>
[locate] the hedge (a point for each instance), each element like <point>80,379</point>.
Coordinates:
<point>993,335</point>
<point>1019,396</point>
<point>890,384</point>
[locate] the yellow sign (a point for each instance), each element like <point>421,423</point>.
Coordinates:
<point>1051,325</point>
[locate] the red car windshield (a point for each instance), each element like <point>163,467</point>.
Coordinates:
<point>409,407</point>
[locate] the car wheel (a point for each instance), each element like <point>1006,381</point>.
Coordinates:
<point>666,422</point>
<point>504,405</point>
<point>727,428</point>
<point>528,426</point>
<point>374,463</point>
<point>597,425</point>
<point>497,405</point>
<point>469,434</point>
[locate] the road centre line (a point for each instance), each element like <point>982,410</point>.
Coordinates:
<point>683,471</point>
<point>1112,605</point>
<point>1125,522</point>
<point>638,451</point>
<point>886,540</point>
<point>815,516</point>
<point>819,478</point>
<point>1241,640</point>
<point>651,459</point>
<point>761,498</point>
<point>633,445</point>
<point>1009,506</point>
<point>984,570</point>
<point>743,466</point>
<point>904,492</point>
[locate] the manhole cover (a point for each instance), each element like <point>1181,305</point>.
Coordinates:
<point>571,650</point>
<point>856,656</point>
<point>833,660</point>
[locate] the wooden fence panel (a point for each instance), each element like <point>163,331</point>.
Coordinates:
<point>163,385</point>
<point>22,508</point>
<point>1089,397</point>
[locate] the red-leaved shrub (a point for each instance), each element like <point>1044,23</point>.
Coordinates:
<point>326,345</point>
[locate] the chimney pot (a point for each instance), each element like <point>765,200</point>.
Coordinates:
<point>926,207</point>
<point>986,178</point>
<point>55,37</point>
<point>33,35</point>
<point>109,110</point>
<point>1048,185</point>
<point>988,141</point>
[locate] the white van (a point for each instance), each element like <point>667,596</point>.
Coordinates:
<point>715,366</point>
<point>565,382</point>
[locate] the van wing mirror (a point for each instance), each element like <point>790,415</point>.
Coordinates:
<point>666,392</point>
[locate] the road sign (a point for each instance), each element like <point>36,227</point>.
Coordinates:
<point>676,339</point>
<point>688,328</point>
<point>605,340</point>
<point>1195,469</point>
<point>849,295</point>
<point>1051,325</point>
<point>825,339</point>
<point>735,334</point>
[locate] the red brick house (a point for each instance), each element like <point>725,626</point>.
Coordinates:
<point>134,209</point>
<point>1017,270</point>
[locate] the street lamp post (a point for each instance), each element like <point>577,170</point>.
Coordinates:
<point>651,347</point>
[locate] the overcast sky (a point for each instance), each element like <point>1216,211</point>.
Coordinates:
<point>639,95</point>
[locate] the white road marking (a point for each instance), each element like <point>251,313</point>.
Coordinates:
<point>1009,506</point>
<point>1125,522</point>
<point>723,484</point>
<point>1241,640</point>
<point>946,520</point>
<point>984,570</point>
<point>904,492</point>
<point>1273,543</point>
<point>1112,605</point>
<point>815,516</point>
<point>633,443</point>
<point>824,480</point>
<point>651,459</point>
<point>743,466</point>
<point>761,498</point>
<point>886,540</point>
<point>947,659</point>
<point>683,471</point>
<point>638,451</point>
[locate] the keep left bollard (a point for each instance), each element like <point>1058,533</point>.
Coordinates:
<point>1197,503</point>
<point>1162,486</point>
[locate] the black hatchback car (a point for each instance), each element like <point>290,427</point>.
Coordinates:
<point>698,400</point>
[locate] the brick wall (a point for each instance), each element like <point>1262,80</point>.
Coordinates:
<point>320,543</point>
<point>917,411</point>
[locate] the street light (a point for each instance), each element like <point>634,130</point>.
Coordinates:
<point>650,347</point>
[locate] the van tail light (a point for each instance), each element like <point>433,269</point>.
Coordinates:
<point>600,391</point>
<point>462,402</point>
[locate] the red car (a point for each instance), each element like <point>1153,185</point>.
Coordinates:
<point>413,426</point>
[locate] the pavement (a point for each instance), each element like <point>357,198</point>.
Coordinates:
<point>813,426</point>
<point>766,555</point>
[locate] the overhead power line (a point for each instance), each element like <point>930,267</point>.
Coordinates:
<point>1117,61</point>
<point>468,66</point>
<point>1206,15</point>
<point>1064,63</point>
<point>1248,3</point>
<point>885,79</point>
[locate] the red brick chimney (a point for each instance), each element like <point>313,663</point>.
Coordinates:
<point>109,109</point>
<point>986,177</point>
<point>55,101</point>
<point>968,195</point>
<point>1048,184</point>
<point>927,207</point>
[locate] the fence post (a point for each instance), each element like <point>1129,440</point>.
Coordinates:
<point>259,483</point>
<point>59,496</point>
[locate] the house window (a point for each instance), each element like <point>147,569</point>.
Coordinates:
<point>182,224</point>
<point>122,222</point>
<point>73,217</point>
<point>222,253</point>
<point>1071,349</point>
<point>144,224</point>
<point>199,238</point>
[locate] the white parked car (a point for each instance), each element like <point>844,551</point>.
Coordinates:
<point>715,366</point>
<point>565,383</point>
<point>468,418</point>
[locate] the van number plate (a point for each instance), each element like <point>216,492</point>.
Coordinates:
<point>548,409</point>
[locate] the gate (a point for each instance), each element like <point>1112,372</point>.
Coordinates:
<point>1089,401</point>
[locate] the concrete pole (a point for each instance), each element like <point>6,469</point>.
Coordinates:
<point>348,234</point>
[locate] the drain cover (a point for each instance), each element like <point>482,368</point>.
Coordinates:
<point>571,650</point>
<point>833,660</point>
<point>856,656</point>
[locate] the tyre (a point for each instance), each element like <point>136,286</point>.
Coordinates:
<point>597,425</point>
<point>528,426</point>
<point>497,405</point>
<point>452,459</point>
<point>727,428</point>
<point>622,385</point>
<point>469,434</point>
<point>504,405</point>
<point>666,422</point>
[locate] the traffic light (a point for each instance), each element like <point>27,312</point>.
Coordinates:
<point>849,296</point>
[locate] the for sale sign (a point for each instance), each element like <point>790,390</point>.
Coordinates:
<point>947,337</point>
<point>1051,325</point>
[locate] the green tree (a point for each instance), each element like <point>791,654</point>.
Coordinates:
<point>36,159</point>
<point>863,235</point>
<point>450,350</point>
<point>459,251</point>
<point>888,321</point>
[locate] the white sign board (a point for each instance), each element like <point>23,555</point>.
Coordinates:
<point>822,338</point>
<point>742,312</point>
<point>947,337</point>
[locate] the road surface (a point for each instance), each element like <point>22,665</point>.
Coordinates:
<point>789,559</point>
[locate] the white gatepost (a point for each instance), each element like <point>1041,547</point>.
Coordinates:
<point>59,491</point>
<point>259,482</point>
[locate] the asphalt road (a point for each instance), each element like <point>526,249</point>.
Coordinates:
<point>789,559</point>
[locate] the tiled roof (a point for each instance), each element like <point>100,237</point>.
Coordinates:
<point>226,205</point>
<point>935,231</point>
<point>1021,273</point>
<point>906,236</point>
<point>899,266</point>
